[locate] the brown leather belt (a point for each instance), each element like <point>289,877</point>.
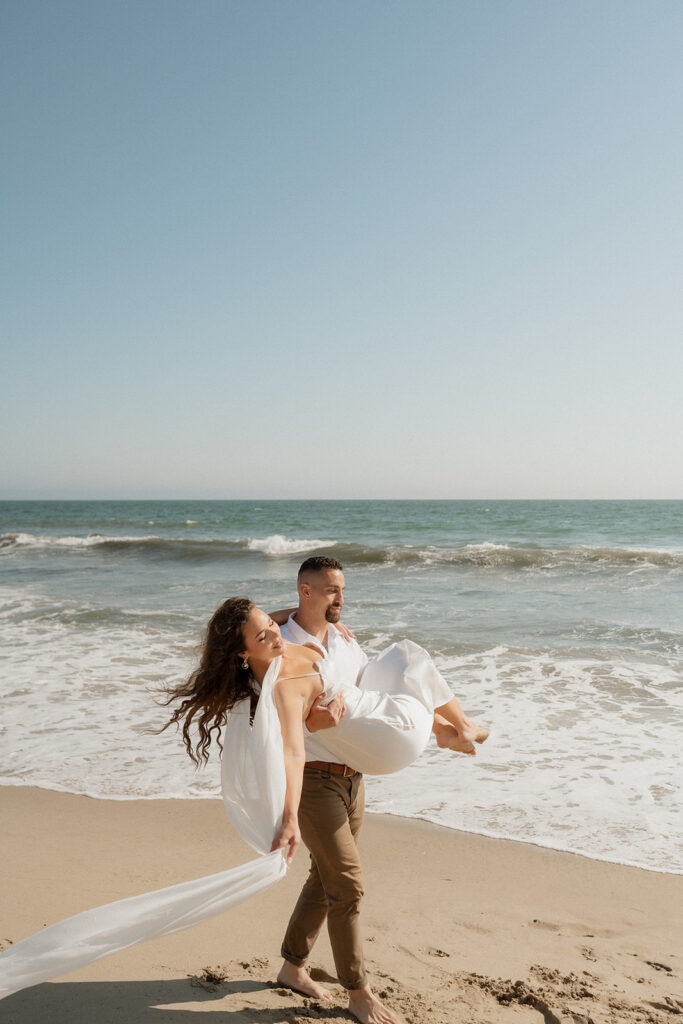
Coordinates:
<point>331,767</point>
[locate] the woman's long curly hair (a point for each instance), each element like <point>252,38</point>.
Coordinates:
<point>218,683</point>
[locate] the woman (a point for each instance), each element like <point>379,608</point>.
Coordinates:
<point>388,721</point>
<point>400,700</point>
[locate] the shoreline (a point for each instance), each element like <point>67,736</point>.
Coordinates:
<point>369,813</point>
<point>459,927</point>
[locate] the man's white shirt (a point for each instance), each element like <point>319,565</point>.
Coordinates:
<point>345,656</point>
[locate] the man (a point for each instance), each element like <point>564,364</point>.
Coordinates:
<point>330,812</point>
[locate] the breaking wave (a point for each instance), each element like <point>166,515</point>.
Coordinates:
<point>486,555</point>
<point>279,545</point>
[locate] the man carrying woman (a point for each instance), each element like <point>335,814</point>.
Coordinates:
<point>330,812</point>
<point>331,807</point>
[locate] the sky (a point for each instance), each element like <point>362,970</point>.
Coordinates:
<point>341,249</point>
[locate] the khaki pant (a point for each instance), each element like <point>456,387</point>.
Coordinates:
<point>330,817</point>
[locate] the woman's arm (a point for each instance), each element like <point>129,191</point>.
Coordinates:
<point>291,700</point>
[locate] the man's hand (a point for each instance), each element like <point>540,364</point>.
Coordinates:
<point>320,717</point>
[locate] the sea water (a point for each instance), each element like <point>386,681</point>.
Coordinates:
<point>556,623</point>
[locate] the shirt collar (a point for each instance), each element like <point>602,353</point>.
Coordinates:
<point>301,636</point>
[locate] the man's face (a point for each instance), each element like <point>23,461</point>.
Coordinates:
<point>324,592</point>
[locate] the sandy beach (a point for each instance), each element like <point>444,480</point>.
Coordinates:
<point>459,928</point>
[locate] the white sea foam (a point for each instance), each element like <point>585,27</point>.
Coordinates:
<point>79,705</point>
<point>485,546</point>
<point>92,540</point>
<point>279,545</point>
<point>584,753</point>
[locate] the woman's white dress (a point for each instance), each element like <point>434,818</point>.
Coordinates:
<point>387,725</point>
<point>389,715</point>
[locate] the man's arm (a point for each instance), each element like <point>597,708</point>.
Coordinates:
<point>281,615</point>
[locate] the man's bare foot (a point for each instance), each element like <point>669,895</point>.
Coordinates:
<point>450,738</point>
<point>366,1007</point>
<point>299,980</point>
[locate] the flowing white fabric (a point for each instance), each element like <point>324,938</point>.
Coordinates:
<point>253,780</point>
<point>385,729</point>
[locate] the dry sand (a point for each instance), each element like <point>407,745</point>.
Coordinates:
<point>458,928</point>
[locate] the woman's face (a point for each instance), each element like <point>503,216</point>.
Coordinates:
<point>262,640</point>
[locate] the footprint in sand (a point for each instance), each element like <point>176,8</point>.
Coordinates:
<point>469,927</point>
<point>213,975</point>
<point>670,1005</point>
<point>659,967</point>
<point>582,931</point>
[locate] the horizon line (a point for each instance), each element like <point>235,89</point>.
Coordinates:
<point>251,498</point>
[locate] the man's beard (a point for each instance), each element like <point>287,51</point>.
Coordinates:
<point>332,614</point>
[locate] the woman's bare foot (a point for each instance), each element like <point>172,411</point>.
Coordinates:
<point>473,732</point>
<point>366,1007</point>
<point>299,980</point>
<point>450,738</point>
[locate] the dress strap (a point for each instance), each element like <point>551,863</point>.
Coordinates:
<point>300,675</point>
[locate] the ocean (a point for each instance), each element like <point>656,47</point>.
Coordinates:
<point>556,623</point>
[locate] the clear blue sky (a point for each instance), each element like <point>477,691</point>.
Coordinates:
<point>275,248</point>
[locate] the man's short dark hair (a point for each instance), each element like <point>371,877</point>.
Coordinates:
<point>316,563</point>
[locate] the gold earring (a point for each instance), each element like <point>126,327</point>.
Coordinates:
<point>245,664</point>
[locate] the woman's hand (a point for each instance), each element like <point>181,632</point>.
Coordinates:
<point>345,631</point>
<point>325,716</point>
<point>287,837</point>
